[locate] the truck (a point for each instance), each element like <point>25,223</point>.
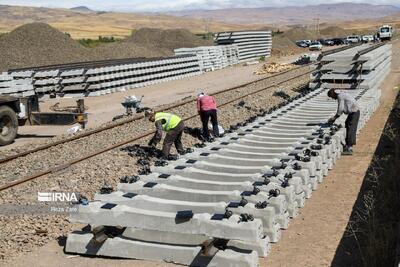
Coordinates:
<point>15,112</point>
<point>385,33</point>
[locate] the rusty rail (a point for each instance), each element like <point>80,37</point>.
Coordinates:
<point>132,119</point>
<point>148,133</point>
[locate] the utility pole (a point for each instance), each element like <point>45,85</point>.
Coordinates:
<point>317,26</point>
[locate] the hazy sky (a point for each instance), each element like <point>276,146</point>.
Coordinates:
<point>168,5</point>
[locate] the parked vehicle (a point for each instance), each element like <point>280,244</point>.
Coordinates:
<point>329,42</point>
<point>385,32</point>
<point>367,38</point>
<point>315,46</point>
<point>339,41</point>
<point>302,44</point>
<point>16,112</point>
<point>353,39</point>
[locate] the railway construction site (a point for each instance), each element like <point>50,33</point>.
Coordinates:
<point>272,190</point>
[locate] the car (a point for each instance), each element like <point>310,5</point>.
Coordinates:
<point>315,46</point>
<point>339,41</point>
<point>329,42</point>
<point>353,39</point>
<point>367,38</point>
<point>301,44</point>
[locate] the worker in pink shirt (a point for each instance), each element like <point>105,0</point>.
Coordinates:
<point>207,108</point>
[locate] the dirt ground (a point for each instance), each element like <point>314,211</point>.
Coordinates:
<point>313,237</point>
<point>103,108</point>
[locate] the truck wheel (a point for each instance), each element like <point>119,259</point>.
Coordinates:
<point>8,125</point>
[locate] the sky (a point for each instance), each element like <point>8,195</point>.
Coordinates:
<point>177,5</point>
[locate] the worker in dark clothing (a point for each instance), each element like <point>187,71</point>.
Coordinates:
<point>173,126</point>
<point>207,108</point>
<point>347,105</point>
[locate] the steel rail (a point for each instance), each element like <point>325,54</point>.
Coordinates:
<point>111,147</point>
<point>134,118</point>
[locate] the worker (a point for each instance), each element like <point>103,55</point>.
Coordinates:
<point>173,126</point>
<point>347,105</point>
<point>207,108</point>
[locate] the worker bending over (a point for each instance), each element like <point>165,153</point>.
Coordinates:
<point>173,126</point>
<point>207,108</point>
<point>347,105</point>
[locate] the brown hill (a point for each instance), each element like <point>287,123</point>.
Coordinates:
<point>283,46</point>
<point>292,15</point>
<point>94,24</point>
<point>334,31</point>
<point>170,39</point>
<point>39,44</point>
<point>300,33</point>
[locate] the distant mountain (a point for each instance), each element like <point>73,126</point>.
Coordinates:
<point>83,9</point>
<point>293,15</point>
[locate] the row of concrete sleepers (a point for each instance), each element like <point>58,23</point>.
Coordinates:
<point>223,204</point>
<point>94,81</point>
<point>16,86</point>
<point>346,70</point>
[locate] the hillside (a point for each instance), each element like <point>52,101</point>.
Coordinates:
<point>83,9</point>
<point>38,44</point>
<point>93,24</point>
<point>293,15</point>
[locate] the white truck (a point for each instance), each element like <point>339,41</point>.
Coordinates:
<point>385,32</point>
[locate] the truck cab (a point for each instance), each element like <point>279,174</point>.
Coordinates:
<point>21,111</point>
<point>385,32</point>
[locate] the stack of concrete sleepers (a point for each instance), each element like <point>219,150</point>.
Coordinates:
<point>230,55</point>
<point>223,204</point>
<point>362,67</point>
<point>108,78</point>
<point>211,57</point>
<point>17,84</point>
<point>251,44</point>
<point>129,76</point>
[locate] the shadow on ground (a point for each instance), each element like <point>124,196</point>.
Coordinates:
<point>372,236</point>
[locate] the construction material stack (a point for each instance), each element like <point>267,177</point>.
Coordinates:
<point>361,67</point>
<point>222,204</point>
<point>17,84</point>
<point>98,78</point>
<point>251,44</point>
<point>212,57</point>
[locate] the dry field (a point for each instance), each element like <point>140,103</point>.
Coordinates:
<point>92,25</point>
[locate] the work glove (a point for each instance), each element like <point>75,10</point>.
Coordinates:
<point>331,120</point>
<point>152,142</point>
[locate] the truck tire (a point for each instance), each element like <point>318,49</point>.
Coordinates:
<point>8,125</point>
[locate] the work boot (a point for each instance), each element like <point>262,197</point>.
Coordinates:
<point>347,151</point>
<point>172,157</point>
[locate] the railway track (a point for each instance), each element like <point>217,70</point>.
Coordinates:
<point>59,167</point>
<point>137,117</point>
<point>119,144</point>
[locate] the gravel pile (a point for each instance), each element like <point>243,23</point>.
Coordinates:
<point>38,44</point>
<point>168,39</point>
<point>89,176</point>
